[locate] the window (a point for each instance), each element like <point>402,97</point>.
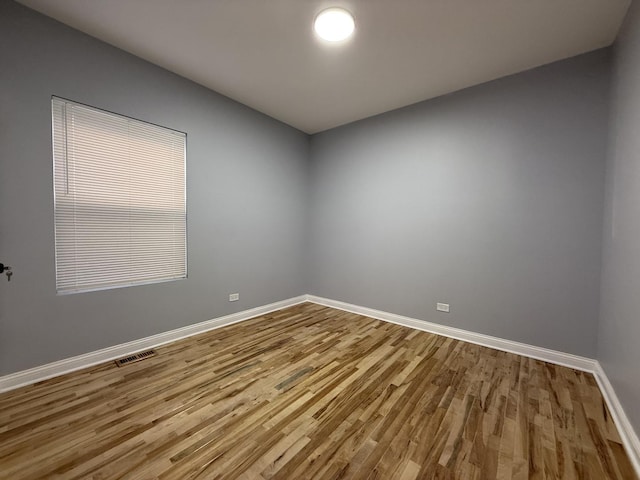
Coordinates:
<point>119,197</point>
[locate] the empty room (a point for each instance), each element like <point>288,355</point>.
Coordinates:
<point>301,239</point>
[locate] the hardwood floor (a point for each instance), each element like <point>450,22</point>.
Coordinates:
<point>313,392</point>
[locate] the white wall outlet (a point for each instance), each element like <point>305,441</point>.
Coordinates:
<point>234,297</point>
<point>442,307</point>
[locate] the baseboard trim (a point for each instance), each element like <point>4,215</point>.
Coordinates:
<point>629,437</point>
<point>539,353</point>
<point>68,365</point>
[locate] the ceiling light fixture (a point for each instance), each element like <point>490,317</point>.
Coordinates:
<point>334,24</point>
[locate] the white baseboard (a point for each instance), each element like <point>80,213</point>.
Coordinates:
<point>629,437</point>
<point>545,354</point>
<point>627,433</point>
<point>44,372</point>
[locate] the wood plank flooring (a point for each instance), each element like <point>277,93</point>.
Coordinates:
<point>312,392</point>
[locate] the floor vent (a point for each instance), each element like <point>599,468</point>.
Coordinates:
<point>136,357</point>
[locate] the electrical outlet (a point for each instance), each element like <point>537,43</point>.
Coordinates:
<point>234,297</point>
<point>442,307</point>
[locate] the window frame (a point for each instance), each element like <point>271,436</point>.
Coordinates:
<point>127,283</point>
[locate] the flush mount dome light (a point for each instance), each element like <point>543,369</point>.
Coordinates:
<point>334,24</point>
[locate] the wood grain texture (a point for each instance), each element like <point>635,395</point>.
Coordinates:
<point>313,392</point>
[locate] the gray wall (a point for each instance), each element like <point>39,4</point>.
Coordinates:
<point>619,337</point>
<point>489,199</point>
<point>246,196</point>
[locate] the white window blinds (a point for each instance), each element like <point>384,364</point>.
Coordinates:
<point>120,207</point>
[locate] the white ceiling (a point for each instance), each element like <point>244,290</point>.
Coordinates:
<point>262,52</point>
